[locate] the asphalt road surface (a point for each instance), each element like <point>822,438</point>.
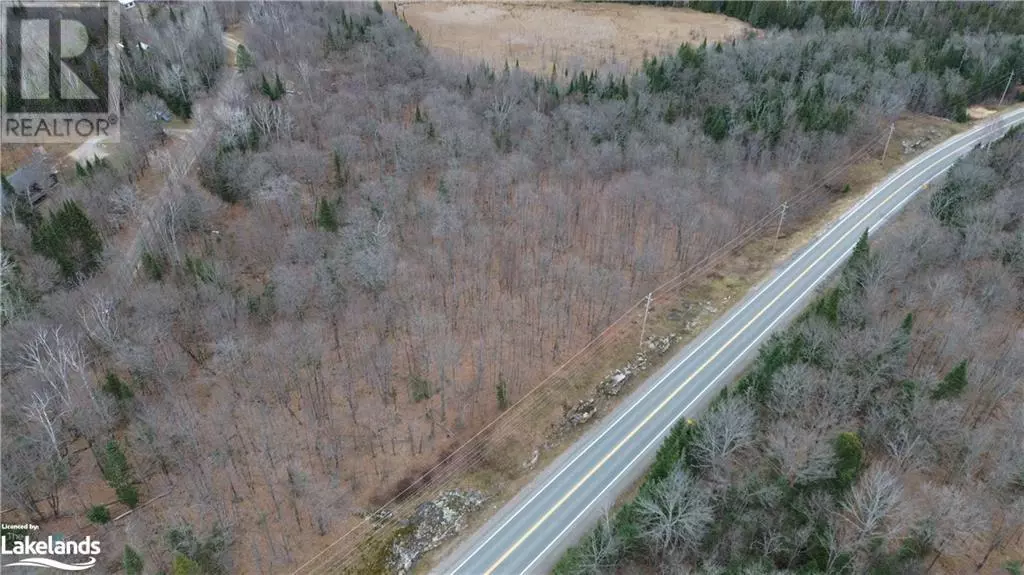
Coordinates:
<point>531,532</point>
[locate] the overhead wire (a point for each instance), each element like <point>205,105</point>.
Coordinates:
<point>474,450</point>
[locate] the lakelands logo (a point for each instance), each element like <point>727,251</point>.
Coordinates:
<point>50,552</point>
<point>60,71</point>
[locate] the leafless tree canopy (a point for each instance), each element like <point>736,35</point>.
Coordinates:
<point>881,433</point>
<point>373,241</point>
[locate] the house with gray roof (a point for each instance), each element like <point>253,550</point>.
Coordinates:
<point>34,179</point>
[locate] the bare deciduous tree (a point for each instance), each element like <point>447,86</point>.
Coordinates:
<point>100,320</point>
<point>725,429</point>
<point>675,513</point>
<point>600,551</point>
<point>870,508</point>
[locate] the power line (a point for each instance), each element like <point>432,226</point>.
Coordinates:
<point>778,230</point>
<point>1008,80</point>
<point>885,151</point>
<point>476,449</point>
<point>475,453</point>
<point>643,327</point>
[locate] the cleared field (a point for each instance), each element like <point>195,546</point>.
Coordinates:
<point>571,35</point>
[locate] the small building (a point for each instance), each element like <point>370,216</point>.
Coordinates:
<point>34,179</point>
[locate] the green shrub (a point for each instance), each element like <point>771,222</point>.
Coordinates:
<point>326,215</point>
<point>98,514</point>
<point>419,388</point>
<point>205,556</point>
<point>819,557</point>
<point>671,113</point>
<point>815,114</point>
<point>184,566</point>
<point>153,266</point>
<point>502,392</point>
<point>117,472</point>
<point>199,269</point>
<point>128,495</point>
<point>917,544</point>
<point>657,76</point>
<point>717,121</point>
<point>672,449</point>
<point>827,306</point>
<point>780,350</point>
<point>117,388</point>
<point>68,238</point>
<point>849,458</point>
<point>274,90</point>
<point>132,561</point>
<point>953,384</point>
<point>243,59</point>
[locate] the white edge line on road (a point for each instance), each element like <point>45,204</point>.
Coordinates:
<point>849,214</point>
<point>757,341</point>
<point>731,318</point>
<point>758,337</point>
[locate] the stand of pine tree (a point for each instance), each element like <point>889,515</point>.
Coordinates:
<point>381,252</point>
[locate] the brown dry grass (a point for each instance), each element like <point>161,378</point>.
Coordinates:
<point>573,36</point>
<point>12,156</point>
<point>979,112</point>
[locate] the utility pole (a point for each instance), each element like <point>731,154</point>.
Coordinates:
<point>1007,88</point>
<point>892,128</point>
<point>778,230</point>
<point>643,326</point>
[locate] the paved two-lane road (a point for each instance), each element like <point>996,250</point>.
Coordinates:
<point>530,532</point>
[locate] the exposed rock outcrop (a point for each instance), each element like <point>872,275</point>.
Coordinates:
<point>654,346</point>
<point>434,522</point>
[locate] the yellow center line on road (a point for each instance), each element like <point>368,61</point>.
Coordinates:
<point>664,402</point>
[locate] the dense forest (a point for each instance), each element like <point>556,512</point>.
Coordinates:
<point>381,249</point>
<point>928,19</point>
<point>878,434</point>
